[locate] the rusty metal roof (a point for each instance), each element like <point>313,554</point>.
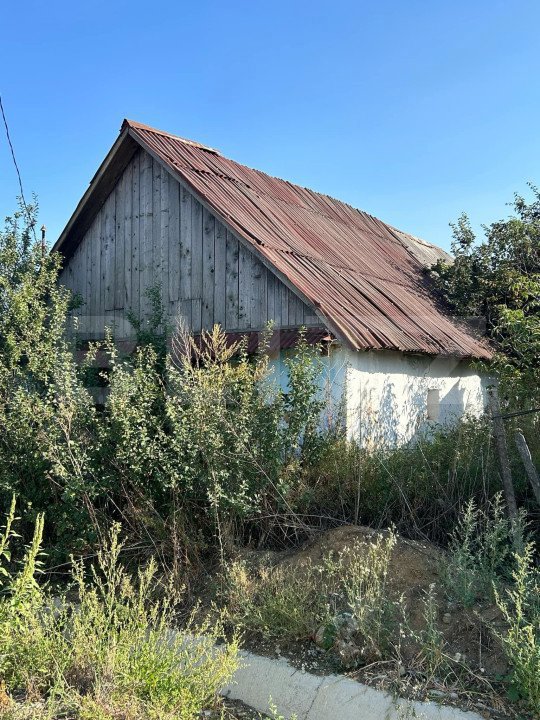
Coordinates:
<point>366,279</point>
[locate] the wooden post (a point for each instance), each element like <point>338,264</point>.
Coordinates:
<point>499,434</point>
<point>532,472</point>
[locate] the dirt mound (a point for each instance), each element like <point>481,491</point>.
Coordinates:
<point>414,566</point>
<point>416,570</point>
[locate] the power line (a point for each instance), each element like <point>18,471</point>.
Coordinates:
<point>30,220</point>
<point>506,416</point>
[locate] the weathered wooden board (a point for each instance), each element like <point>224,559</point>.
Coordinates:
<point>134,304</point>
<point>152,232</point>
<point>220,269</point>
<point>146,235</point>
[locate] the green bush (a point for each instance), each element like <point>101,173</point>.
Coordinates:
<point>187,446</point>
<point>520,606</point>
<point>109,652</point>
<point>480,552</point>
<point>290,602</point>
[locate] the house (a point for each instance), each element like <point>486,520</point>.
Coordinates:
<point>230,245</point>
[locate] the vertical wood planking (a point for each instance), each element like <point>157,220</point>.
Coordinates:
<point>119,193</point>
<point>151,231</point>
<point>244,287</point>
<point>164,238</point>
<point>298,312</point>
<point>196,265</point>
<point>146,235</point>
<point>258,313</point>
<point>232,253</point>
<point>102,261</point>
<point>81,289</point>
<point>87,309</point>
<point>208,249</point>
<point>128,250</point>
<point>271,298</point>
<point>220,263</point>
<point>74,272</point>
<point>71,283</point>
<point>291,300</point>
<point>157,253</point>
<point>109,231</point>
<point>184,305</point>
<point>95,277</point>
<point>174,246</point>
<point>134,301</point>
<point>67,274</point>
<point>284,305</point>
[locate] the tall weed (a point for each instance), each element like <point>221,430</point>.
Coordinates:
<point>108,649</point>
<point>288,602</point>
<point>520,606</point>
<point>480,552</point>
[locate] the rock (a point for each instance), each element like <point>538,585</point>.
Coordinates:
<point>325,637</point>
<point>347,651</point>
<point>447,618</point>
<point>346,624</point>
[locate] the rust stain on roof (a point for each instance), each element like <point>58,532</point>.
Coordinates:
<point>365,278</point>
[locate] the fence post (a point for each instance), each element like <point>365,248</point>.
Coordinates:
<point>500,439</point>
<point>525,453</point>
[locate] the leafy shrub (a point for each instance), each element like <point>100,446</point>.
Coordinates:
<point>45,413</point>
<point>108,654</point>
<point>276,601</point>
<point>290,602</point>
<point>520,606</point>
<point>480,552</point>
<point>186,448</point>
<point>498,279</point>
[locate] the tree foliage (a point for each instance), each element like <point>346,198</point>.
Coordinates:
<point>498,279</point>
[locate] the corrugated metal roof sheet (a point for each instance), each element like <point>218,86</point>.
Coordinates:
<point>365,278</point>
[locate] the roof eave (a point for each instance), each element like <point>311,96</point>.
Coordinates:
<point>97,192</point>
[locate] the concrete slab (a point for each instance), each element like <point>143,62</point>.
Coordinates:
<point>263,679</point>
<point>329,697</point>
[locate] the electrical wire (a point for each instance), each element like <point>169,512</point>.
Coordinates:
<point>25,205</point>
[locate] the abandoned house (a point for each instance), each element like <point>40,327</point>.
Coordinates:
<point>230,245</point>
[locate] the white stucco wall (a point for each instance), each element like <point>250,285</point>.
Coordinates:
<point>386,398</point>
<point>390,396</point>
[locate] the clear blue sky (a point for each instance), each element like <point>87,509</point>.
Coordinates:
<point>412,110</point>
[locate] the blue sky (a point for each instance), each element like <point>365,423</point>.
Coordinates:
<point>411,110</point>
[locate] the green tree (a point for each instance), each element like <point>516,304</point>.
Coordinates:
<point>44,410</point>
<point>498,278</point>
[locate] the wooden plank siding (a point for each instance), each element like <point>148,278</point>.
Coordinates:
<point>152,232</point>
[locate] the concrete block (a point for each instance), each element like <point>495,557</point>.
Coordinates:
<point>262,679</point>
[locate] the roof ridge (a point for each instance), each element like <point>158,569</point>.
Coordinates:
<point>127,123</point>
